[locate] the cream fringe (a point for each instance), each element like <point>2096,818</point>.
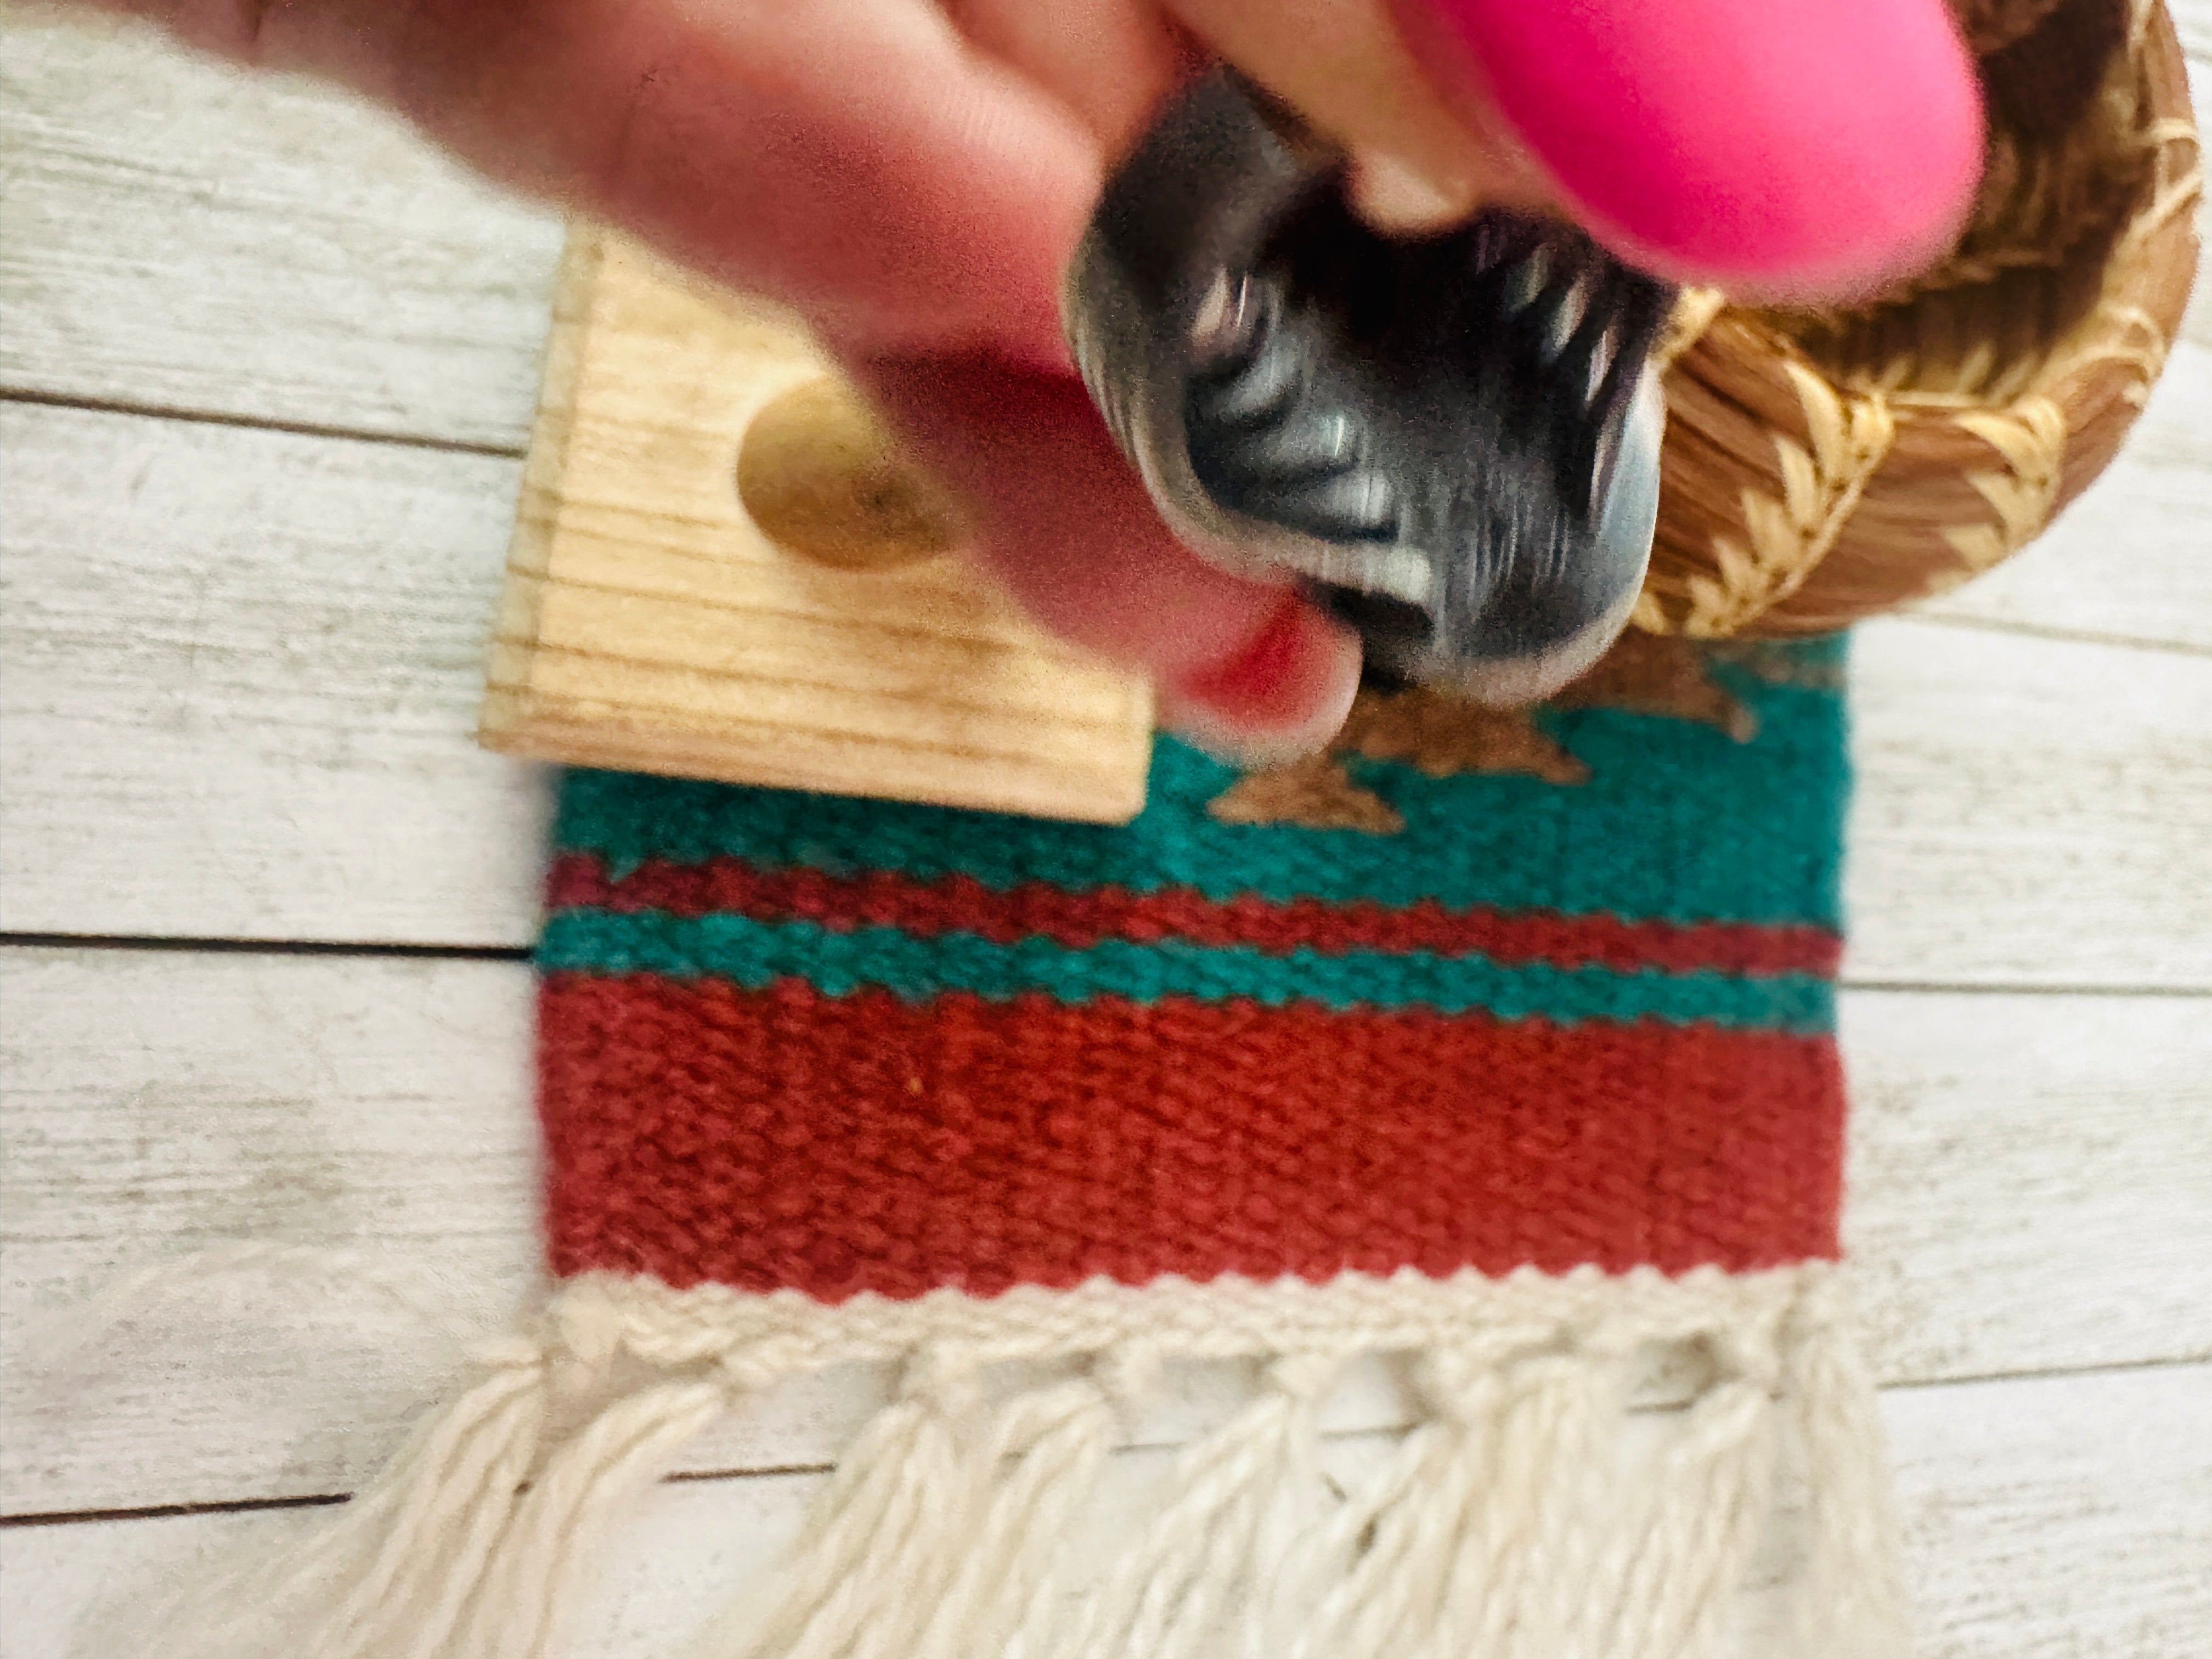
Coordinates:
<point>1511,1521</point>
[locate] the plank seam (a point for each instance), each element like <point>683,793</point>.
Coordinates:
<point>173,1511</point>
<point>182,945</point>
<point>2050,631</point>
<point>780,1471</point>
<point>35,399</point>
<point>2013,988</point>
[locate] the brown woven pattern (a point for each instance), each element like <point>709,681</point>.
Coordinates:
<point>1823,465</point>
<point>1990,26</point>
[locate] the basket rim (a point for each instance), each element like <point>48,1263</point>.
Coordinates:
<point>2121,336</point>
<point>1773,462</point>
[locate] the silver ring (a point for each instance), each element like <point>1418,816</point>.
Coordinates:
<point>1452,441</point>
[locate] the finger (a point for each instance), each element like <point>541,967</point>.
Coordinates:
<point>1058,519</point>
<point>1802,151</point>
<point>1423,156</point>
<point>905,191</point>
<point>857,159</point>
<point>1812,151</point>
<point>1113,62</point>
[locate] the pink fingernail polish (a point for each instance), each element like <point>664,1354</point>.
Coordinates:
<point>1776,144</point>
<point>1283,696</point>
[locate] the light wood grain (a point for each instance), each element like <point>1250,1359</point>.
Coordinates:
<point>649,623</point>
<point>2030,1180</point>
<point>2029,811</point>
<point>238,672</point>
<point>2192,20</point>
<point>2058,1517</point>
<point>200,1100</point>
<point>2032,1190</point>
<point>182,235</point>
<point>2045,1519</point>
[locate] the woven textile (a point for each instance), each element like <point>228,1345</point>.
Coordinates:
<point>840,1046</point>
<point>1493,1050</point>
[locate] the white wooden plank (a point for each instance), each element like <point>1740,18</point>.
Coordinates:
<point>2046,1518</point>
<point>238,674</point>
<point>196,1100</point>
<point>2031,1180</point>
<point>2033,1189</point>
<point>2029,811</point>
<point>182,235</point>
<point>241,669</point>
<point>2058,1517</point>
<point>2192,20</point>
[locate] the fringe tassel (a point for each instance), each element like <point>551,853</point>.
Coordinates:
<point>1498,1500</point>
<point>1212,1545</point>
<point>1051,1447</point>
<point>1516,1519</point>
<point>389,1573</point>
<point>472,1544</point>
<point>878,1547</point>
<point>1504,1525</point>
<point>1398,1541</point>
<point>1668,1577</point>
<point>1852,1602</point>
<point>1557,1447</point>
<point>559,1530</point>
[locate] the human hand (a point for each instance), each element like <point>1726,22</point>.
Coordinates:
<point>912,176</point>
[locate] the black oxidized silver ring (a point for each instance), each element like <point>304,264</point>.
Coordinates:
<point>1452,441</point>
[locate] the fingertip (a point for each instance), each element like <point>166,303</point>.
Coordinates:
<point>1800,151</point>
<point>1278,696</point>
<point>1066,528</point>
<point>1394,197</point>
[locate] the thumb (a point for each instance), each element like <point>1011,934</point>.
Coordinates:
<point>1811,150</point>
<point>1807,150</point>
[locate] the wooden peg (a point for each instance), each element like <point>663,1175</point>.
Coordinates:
<point>723,568</point>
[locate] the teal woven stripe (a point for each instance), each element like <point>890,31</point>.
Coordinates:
<point>754,954</point>
<point>1677,823</point>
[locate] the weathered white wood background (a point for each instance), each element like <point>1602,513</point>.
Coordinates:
<point>265,371</point>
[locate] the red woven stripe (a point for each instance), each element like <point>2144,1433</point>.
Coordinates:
<point>883,898</point>
<point>840,1145</point>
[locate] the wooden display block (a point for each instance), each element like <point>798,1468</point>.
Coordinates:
<point>650,623</point>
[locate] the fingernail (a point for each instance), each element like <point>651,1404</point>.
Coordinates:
<point>1791,148</point>
<point>1394,199</point>
<point>1282,697</point>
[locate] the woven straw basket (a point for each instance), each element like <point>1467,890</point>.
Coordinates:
<point>1824,465</point>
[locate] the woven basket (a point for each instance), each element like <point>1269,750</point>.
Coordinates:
<point>1821,466</point>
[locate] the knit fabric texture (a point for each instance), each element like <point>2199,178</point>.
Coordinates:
<point>1553,989</point>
